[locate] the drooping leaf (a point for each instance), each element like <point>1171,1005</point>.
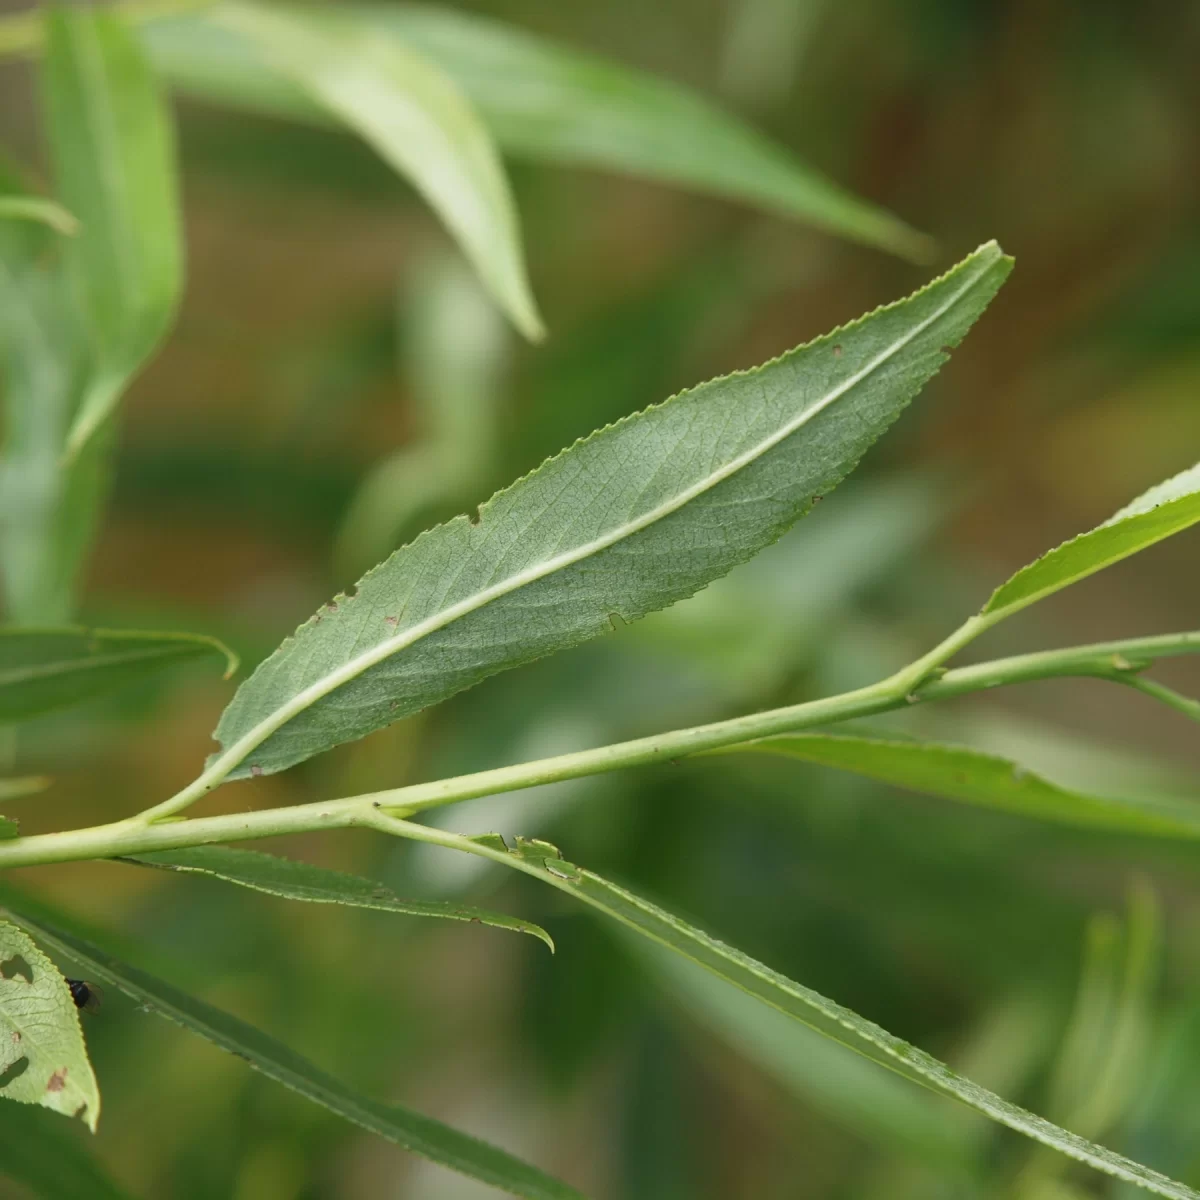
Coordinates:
<point>1168,508</point>
<point>42,1056</point>
<point>549,102</point>
<point>319,885</point>
<point>986,780</point>
<point>542,860</point>
<point>639,515</point>
<point>111,142</point>
<point>419,1134</point>
<point>36,1150</point>
<point>45,669</point>
<point>37,208</point>
<point>418,120</point>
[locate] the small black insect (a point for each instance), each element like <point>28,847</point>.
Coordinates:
<point>87,996</point>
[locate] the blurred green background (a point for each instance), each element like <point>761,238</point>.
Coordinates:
<point>336,382</point>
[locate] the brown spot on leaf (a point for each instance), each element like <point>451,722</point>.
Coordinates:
<point>255,770</point>
<point>947,349</point>
<point>837,352</point>
<point>392,621</point>
<point>58,1080</point>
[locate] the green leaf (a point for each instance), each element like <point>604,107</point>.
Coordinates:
<point>9,829</point>
<point>319,885</point>
<point>419,1134</point>
<point>38,1151</point>
<point>549,102</point>
<point>1162,511</point>
<point>111,143</point>
<point>45,669</point>
<point>21,786</point>
<point>985,780</point>
<point>42,1056</point>
<point>542,860</point>
<point>37,208</point>
<point>418,120</point>
<point>48,508</point>
<point>638,516</point>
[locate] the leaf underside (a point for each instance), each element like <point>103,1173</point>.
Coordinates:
<point>292,880</point>
<point>638,516</point>
<point>984,780</point>
<point>826,1016</point>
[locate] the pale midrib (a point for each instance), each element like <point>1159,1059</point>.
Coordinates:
<point>230,758</point>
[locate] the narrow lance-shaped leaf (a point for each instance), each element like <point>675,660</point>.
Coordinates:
<point>319,885</point>
<point>541,860</point>
<point>548,102</point>
<point>638,516</point>
<point>971,776</point>
<point>422,1135</point>
<point>17,787</point>
<point>418,120</point>
<point>111,143</point>
<point>1157,514</point>
<point>45,669</point>
<point>42,1056</point>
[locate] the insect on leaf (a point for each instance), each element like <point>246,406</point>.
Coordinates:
<point>422,1135</point>
<point>42,1055</point>
<point>634,518</point>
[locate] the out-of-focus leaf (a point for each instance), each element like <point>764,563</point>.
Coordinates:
<point>416,117</point>
<point>48,508</point>
<point>319,885</point>
<point>27,785</point>
<point>639,515</point>
<point>542,860</point>
<point>37,208</point>
<point>960,773</point>
<point>111,142</point>
<point>42,1056</point>
<point>826,1074</point>
<point>8,829</point>
<point>1166,509</point>
<point>419,1134</point>
<point>40,1153</point>
<point>45,669</point>
<point>453,352</point>
<point>552,103</point>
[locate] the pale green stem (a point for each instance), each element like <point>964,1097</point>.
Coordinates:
<point>1168,696</point>
<point>1114,661</point>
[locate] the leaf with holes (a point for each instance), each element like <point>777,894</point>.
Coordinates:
<point>46,669</point>
<point>419,1134</point>
<point>639,515</point>
<point>42,1056</point>
<point>319,885</point>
